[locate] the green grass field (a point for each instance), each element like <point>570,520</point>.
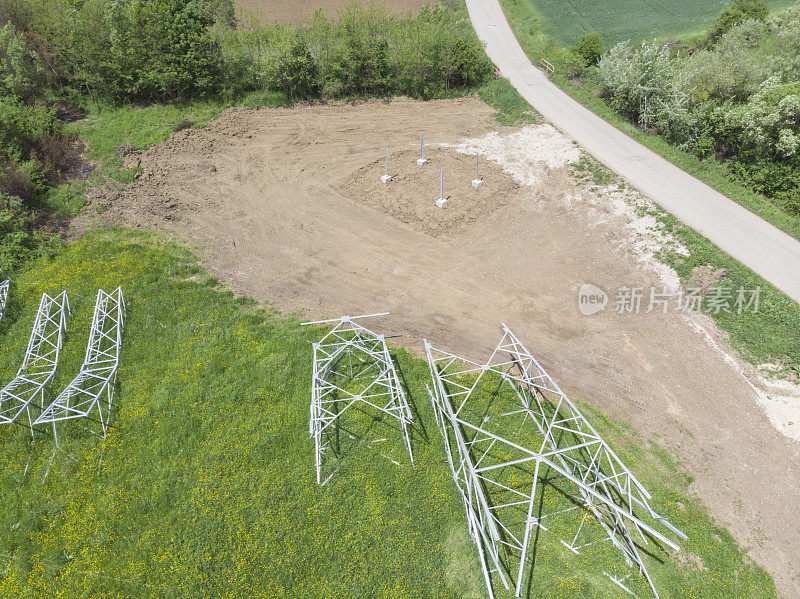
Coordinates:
<point>635,20</point>
<point>206,485</point>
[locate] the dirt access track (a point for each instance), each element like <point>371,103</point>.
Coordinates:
<point>287,206</point>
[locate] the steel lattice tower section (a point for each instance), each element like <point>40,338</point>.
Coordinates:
<point>3,297</point>
<point>40,361</point>
<point>351,353</point>
<point>484,461</point>
<point>96,379</point>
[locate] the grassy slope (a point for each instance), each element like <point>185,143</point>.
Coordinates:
<point>773,333</point>
<point>206,486</point>
<point>635,20</point>
<point>106,128</point>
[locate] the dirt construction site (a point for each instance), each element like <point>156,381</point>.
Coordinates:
<point>287,206</point>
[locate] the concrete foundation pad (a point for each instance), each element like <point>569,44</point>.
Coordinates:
<point>477,183</point>
<point>421,162</point>
<point>386,178</point>
<point>441,202</point>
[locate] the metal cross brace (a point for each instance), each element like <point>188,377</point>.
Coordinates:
<point>351,353</point>
<point>40,361</point>
<point>96,379</point>
<point>486,463</point>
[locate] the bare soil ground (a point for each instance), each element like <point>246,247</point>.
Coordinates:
<point>287,206</point>
<point>285,11</point>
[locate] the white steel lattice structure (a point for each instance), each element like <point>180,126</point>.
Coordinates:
<point>3,297</point>
<point>353,370</point>
<point>503,457</point>
<point>39,363</point>
<point>92,391</point>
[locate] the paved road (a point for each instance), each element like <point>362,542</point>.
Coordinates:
<point>750,239</point>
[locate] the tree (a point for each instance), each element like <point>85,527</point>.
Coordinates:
<point>190,59</point>
<point>733,68</point>
<point>647,86</point>
<point>590,47</point>
<point>296,72</point>
<point>461,61</point>
<point>734,13</point>
<point>364,63</point>
<point>158,49</point>
<point>20,68</point>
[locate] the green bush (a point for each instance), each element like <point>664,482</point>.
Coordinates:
<point>24,180</point>
<point>786,29</point>
<point>363,66</point>
<point>23,127</point>
<point>590,47</point>
<point>461,61</point>
<point>20,67</point>
<point>21,241</point>
<point>738,101</point>
<point>734,13</point>
<point>190,61</point>
<point>767,125</point>
<point>646,85</point>
<point>128,51</point>
<point>780,181</point>
<point>159,49</point>
<point>156,50</point>
<point>424,56</point>
<point>733,69</point>
<point>296,72</point>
